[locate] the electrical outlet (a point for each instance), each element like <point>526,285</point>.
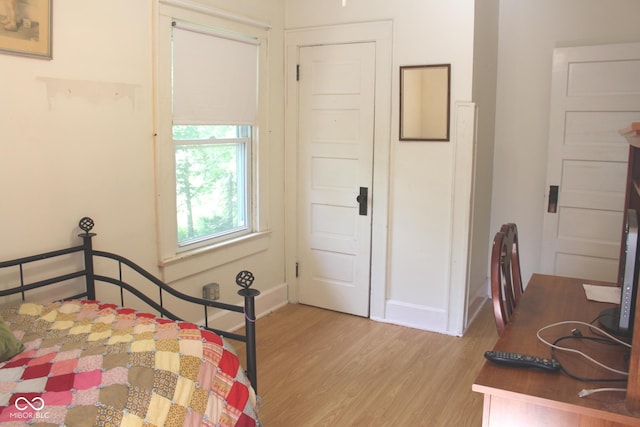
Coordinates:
<point>211,291</point>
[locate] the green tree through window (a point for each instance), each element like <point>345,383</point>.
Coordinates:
<point>211,177</point>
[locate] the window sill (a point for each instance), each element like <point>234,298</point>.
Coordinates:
<point>206,258</point>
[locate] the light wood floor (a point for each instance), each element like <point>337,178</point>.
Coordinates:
<point>322,368</point>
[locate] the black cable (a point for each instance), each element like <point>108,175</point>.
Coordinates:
<point>603,341</point>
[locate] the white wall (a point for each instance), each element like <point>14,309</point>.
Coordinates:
<point>484,95</point>
<point>529,31</point>
<point>421,173</point>
<point>76,135</point>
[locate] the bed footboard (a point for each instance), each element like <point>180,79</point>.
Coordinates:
<point>244,279</point>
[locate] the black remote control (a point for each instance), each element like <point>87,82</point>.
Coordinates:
<point>522,360</point>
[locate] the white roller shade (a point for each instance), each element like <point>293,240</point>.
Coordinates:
<point>214,78</point>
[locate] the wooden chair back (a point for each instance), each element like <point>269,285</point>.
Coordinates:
<point>506,278</point>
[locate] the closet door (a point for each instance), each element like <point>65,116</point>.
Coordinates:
<point>595,92</point>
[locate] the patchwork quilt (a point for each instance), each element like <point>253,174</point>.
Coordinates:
<point>92,364</point>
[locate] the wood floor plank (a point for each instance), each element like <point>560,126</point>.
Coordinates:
<point>321,368</point>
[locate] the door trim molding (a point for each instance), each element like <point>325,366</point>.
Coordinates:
<point>381,33</point>
<point>465,116</point>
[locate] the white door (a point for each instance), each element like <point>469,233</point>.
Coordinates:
<point>595,92</point>
<point>336,107</point>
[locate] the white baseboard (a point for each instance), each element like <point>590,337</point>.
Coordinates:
<point>266,302</point>
<point>474,309</point>
<point>415,316</point>
<point>477,301</point>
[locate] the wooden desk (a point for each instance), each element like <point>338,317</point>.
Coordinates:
<point>532,397</point>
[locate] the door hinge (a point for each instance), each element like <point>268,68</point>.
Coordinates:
<point>298,72</point>
<point>297,269</point>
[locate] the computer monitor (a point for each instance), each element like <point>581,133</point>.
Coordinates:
<point>619,320</point>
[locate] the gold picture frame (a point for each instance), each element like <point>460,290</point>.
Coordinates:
<point>425,92</point>
<point>25,28</point>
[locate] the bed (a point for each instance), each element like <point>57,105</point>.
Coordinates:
<point>78,361</point>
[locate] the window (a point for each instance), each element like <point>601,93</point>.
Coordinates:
<point>214,98</point>
<point>211,137</point>
<point>212,181</point>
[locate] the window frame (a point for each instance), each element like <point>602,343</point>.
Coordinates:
<point>174,261</point>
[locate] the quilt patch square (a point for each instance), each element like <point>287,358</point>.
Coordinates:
<point>238,396</point>
<point>89,363</point>
<point>168,361</point>
<point>172,346</point>
<point>142,358</point>
<point>74,341</point>
<point>132,420</point>
<point>120,338</point>
<point>143,345</point>
<point>30,309</point>
<point>98,336</point>
<point>119,347</point>
<point>62,324</point>
<point>80,329</point>
<point>87,397</point>
<point>85,380</point>
<point>11,374</point>
<point>141,377</point>
<point>108,416</point>
<point>176,416</point>
<point>41,357</point>
<point>221,385</point>
<point>167,332</point>
<point>206,374</point>
<point>8,387</point>
<point>70,307</point>
<point>229,363</point>
<point>158,410</point>
<point>62,367</point>
<point>199,400</point>
<point>67,354</point>
<point>115,396</point>
<point>164,383</point>
<point>57,398</point>
<point>117,375</point>
<point>107,319</point>
<point>193,419</point>
<point>212,338</point>
<point>212,353</point>
<point>4,399</point>
<point>190,367</point>
<point>18,360</point>
<point>183,391</point>
<point>138,400</point>
<point>36,371</point>
<point>59,382</point>
<point>191,347</point>
<point>143,328</point>
<point>34,385</point>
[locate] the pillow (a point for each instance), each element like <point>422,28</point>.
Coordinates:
<point>9,344</point>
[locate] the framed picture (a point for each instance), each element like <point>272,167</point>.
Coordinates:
<point>25,28</point>
<point>424,102</point>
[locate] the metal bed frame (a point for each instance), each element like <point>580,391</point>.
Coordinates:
<point>244,279</point>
